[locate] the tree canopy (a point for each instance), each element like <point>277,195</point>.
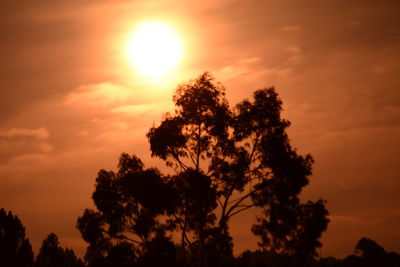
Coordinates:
<point>224,161</point>
<point>367,254</point>
<point>15,248</point>
<point>51,254</point>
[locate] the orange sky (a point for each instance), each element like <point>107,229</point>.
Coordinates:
<point>70,103</point>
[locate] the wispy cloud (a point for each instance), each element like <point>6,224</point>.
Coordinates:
<point>101,95</point>
<point>23,142</point>
<point>291,28</point>
<point>135,110</point>
<point>18,133</point>
<point>245,66</point>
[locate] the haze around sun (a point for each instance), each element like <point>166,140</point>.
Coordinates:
<point>154,49</point>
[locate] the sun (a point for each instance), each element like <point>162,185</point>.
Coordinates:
<point>154,49</point>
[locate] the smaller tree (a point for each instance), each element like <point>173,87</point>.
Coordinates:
<point>369,249</point>
<point>15,249</point>
<point>294,229</point>
<point>368,253</point>
<point>372,254</point>
<point>52,255</point>
<point>126,227</point>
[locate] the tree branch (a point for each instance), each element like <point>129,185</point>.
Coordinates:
<point>254,148</point>
<point>181,164</point>
<point>198,146</point>
<point>191,156</point>
<point>244,207</point>
<point>219,202</point>
<point>253,170</point>
<point>226,202</point>
<point>129,239</point>
<point>240,200</point>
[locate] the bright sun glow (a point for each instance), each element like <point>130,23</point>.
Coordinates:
<point>154,49</point>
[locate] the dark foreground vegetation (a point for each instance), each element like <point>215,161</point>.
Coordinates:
<point>16,251</point>
<point>222,161</point>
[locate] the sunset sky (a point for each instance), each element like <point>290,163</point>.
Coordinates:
<point>71,101</point>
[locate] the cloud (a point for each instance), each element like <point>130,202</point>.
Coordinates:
<point>135,110</point>
<point>291,28</point>
<point>23,142</point>
<point>100,95</point>
<point>117,100</point>
<point>245,66</point>
<point>17,133</point>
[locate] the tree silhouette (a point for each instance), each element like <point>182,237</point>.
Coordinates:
<point>368,253</point>
<point>129,203</point>
<point>372,254</point>
<point>225,161</point>
<point>15,249</point>
<point>52,255</point>
<point>293,229</point>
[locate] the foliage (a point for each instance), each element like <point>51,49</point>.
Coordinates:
<point>368,254</point>
<point>261,258</point>
<point>129,203</point>
<point>15,249</point>
<point>52,255</point>
<point>293,229</point>
<point>225,161</point>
